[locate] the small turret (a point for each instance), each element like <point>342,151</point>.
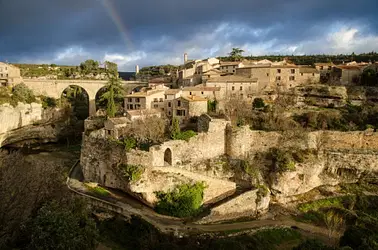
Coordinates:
<point>137,69</point>
<point>185,57</point>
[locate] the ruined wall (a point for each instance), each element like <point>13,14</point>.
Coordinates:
<point>204,146</point>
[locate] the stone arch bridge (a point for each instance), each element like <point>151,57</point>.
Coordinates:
<point>55,88</point>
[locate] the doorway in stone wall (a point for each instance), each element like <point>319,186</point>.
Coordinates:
<point>168,157</point>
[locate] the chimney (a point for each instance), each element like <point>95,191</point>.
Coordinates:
<point>137,69</point>
<point>185,57</point>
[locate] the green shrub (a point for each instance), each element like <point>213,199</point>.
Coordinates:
<point>131,172</point>
<point>184,201</point>
<point>129,143</point>
<point>21,93</point>
<point>98,190</point>
<point>48,102</point>
<point>258,103</point>
<point>186,135</point>
<point>5,95</point>
<point>323,203</point>
<point>282,160</point>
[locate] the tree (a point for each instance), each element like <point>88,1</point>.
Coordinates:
<point>258,103</point>
<point>21,93</point>
<point>63,225</point>
<point>236,54</point>
<point>175,127</point>
<point>113,91</point>
<point>369,77</point>
<point>89,66</point>
<point>111,68</point>
<point>334,222</point>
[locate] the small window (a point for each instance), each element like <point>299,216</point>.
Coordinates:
<point>329,67</point>
<point>241,88</point>
<point>291,78</point>
<point>137,99</point>
<point>241,95</point>
<point>161,100</point>
<point>169,104</point>
<point>233,71</point>
<point>292,71</point>
<point>202,93</point>
<point>190,93</point>
<point>313,74</point>
<point>301,74</point>
<point>165,96</point>
<point>178,103</point>
<point>321,67</point>
<point>278,78</point>
<point>169,112</point>
<point>155,99</point>
<point>267,74</point>
<point>1,75</point>
<point>156,106</point>
<point>279,71</point>
<point>233,88</point>
<point>130,99</point>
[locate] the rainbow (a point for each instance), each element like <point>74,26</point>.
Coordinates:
<point>110,8</point>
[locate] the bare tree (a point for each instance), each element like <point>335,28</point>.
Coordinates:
<point>334,222</point>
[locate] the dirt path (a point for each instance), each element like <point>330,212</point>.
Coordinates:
<point>130,205</point>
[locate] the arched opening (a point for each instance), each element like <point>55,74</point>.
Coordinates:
<point>168,157</point>
<point>102,102</point>
<point>77,99</point>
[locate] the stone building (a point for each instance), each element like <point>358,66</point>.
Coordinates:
<point>148,99</point>
<point>209,93</point>
<point>185,107</point>
<point>230,67</point>
<point>9,74</point>
<point>212,73</point>
<point>347,75</point>
<point>234,86</point>
<point>113,126</point>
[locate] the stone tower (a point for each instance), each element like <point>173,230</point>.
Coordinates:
<point>137,69</point>
<point>185,57</point>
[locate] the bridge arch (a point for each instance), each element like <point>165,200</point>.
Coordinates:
<point>78,97</point>
<point>101,104</point>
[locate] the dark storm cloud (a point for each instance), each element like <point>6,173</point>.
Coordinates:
<point>40,28</point>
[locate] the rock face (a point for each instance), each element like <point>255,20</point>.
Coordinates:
<point>29,122</point>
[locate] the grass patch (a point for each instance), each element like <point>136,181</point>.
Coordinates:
<point>131,172</point>
<point>323,203</point>
<point>184,201</point>
<point>185,135</point>
<point>98,190</point>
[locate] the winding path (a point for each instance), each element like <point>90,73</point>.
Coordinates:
<point>127,206</point>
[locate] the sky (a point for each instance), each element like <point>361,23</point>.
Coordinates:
<point>155,32</point>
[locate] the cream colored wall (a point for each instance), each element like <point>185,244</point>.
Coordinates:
<point>306,78</point>
<point>184,105</point>
<point>150,100</point>
<point>347,76</point>
<point>134,102</point>
<point>211,95</point>
<point>197,108</point>
<point>248,89</point>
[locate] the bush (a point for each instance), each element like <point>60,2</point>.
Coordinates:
<point>21,93</point>
<point>129,143</point>
<point>184,201</point>
<point>258,103</point>
<point>282,161</point>
<point>323,203</point>
<point>186,135</point>
<point>5,96</point>
<point>131,172</point>
<point>98,190</point>
<point>48,102</point>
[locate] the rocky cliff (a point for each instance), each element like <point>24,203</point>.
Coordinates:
<point>30,123</point>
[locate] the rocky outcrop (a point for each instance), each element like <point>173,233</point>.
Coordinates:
<point>30,123</point>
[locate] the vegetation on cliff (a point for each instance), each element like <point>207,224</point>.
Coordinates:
<point>131,172</point>
<point>184,201</point>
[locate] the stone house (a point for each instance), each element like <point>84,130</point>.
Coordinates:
<point>114,126</point>
<point>9,74</point>
<point>347,75</point>
<point>148,99</point>
<point>209,93</point>
<point>185,107</point>
<point>212,73</point>
<point>230,67</point>
<point>235,86</point>
<point>283,76</point>
<point>139,114</point>
<point>170,95</point>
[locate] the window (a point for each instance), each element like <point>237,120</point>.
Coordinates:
<point>155,99</point>
<point>137,99</point>
<point>291,78</point>
<point>241,87</point>
<point>1,75</point>
<point>329,67</point>
<point>161,100</point>
<point>137,106</point>
<point>233,71</point>
<point>313,74</point>
<point>241,95</point>
<point>156,106</point>
<point>201,92</point>
<point>165,96</point>
<point>267,74</point>
<point>292,71</point>
<point>249,95</point>
<point>301,74</point>
<point>169,104</point>
<point>130,100</point>
<point>178,103</point>
<point>169,112</point>
<point>321,67</point>
<point>190,93</point>
<point>279,71</point>
<point>180,112</point>
<point>233,88</point>
<point>278,78</point>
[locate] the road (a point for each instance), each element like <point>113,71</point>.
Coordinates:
<point>128,205</point>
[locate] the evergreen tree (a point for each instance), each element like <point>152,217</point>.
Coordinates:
<point>114,90</point>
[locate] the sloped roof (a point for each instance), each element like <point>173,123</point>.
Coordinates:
<point>229,63</point>
<point>193,98</point>
<point>324,64</point>
<point>214,70</point>
<point>201,88</point>
<point>232,78</point>
<point>172,91</point>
